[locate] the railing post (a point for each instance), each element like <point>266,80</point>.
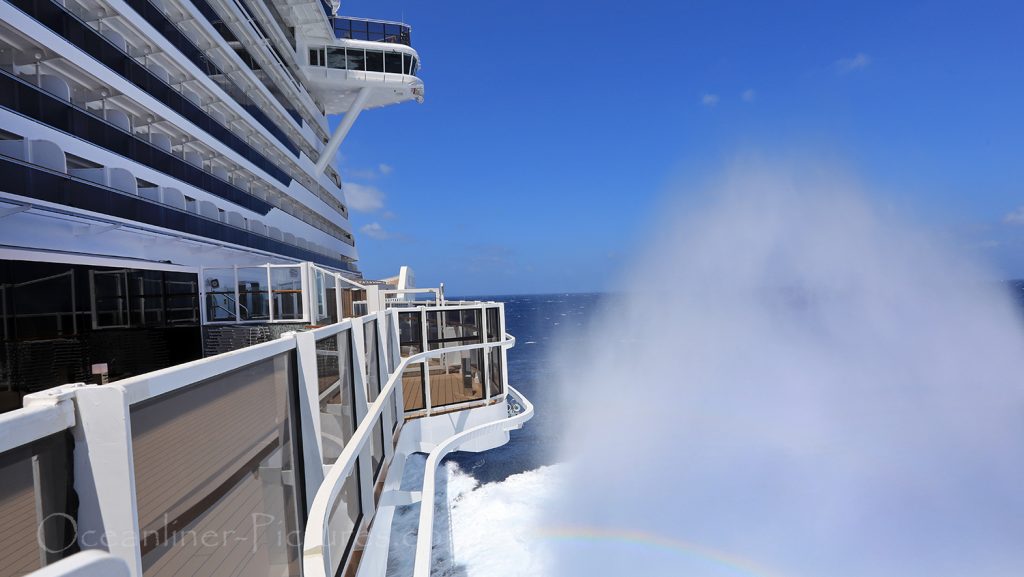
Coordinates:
<point>426,363</point>
<point>395,347</point>
<point>308,410</point>
<point>364,460</point>
<point>487,353</point>
<point>502,328</point>
<point>383,374</point>
<point>105,475</point>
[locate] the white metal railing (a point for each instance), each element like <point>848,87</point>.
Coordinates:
<point>106,455</point>
<point>425,535</point>
<point>316,548</point>
<point>92,563</point>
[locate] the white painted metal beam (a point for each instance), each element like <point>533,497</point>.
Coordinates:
<point>327,154</point>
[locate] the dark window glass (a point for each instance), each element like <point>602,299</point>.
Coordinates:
<point>336,58</point>
<point>374,61</point>
<point>393,62</point>
<point>356,59</point>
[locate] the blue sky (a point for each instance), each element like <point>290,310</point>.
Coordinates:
<point>552,131</point>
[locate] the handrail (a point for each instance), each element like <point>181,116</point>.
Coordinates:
<point>33,422</point>
<point>425,535</point>
<point>314,563</point>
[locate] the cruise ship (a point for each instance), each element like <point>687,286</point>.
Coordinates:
<point>195,377</point>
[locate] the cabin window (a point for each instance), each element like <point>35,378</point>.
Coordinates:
<point>393,62</point>
<point>374,61</point>
<point>336,58</point>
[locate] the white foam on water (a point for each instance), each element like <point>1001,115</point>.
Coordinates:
<point>488,530</point>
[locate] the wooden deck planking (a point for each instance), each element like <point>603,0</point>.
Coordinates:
<point>206,441</point>
<point>18,547</point>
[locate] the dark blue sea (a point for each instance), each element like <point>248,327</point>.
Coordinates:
<point>537,322</point>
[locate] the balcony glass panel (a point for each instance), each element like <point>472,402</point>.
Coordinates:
<point>34,507</point>
<point>286,284</point>
<point>343,521</point>
<point>253,294</point>
<point>220,294</point>
<point>496,371</point>
<point>373,391</point>
<point>337,393</point>
<point>455,377</point>
<point>216,475</point>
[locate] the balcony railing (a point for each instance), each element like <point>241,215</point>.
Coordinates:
<point>372,30</point>
<point>234,448</point>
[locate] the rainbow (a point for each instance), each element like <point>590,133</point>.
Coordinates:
<point>722,560</point>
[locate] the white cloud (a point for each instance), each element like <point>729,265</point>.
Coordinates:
<point>1015,218</point>
<point>856,62</point>
<point>375,230</point>
<point>748,95</point>
<point>385,168</point>
<point>709,100</point>
<point>362,197</point>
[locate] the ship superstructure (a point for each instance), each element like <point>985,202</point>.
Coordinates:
<point>141,140</point>
<point>195,379</point>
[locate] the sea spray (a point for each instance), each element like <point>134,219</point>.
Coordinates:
<point>796,383</point>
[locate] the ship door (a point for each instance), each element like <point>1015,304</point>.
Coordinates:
<point>108,292</point>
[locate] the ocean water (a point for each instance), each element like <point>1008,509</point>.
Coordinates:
<point>539,323</point>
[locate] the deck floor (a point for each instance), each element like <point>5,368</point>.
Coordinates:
<point>447,387</point>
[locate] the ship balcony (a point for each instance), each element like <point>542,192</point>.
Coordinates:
<point>339,71</point>
<point>286,456</point>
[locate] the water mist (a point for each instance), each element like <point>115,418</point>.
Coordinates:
<point>795,384</point>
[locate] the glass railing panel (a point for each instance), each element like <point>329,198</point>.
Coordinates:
<point>372,350</point>
<point>494,332</point>
<point>456,377</point>
<point>218,459</point>
<point>337,393</point>
<point>377,448</point>
<point>495,368</point>
<point>413,384</point>
<point>253,294</point>
<point>343,521</point>
<point>286,286</point>
<point>410,333</point>
<point>35,518</point>
<point>220,294</point>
